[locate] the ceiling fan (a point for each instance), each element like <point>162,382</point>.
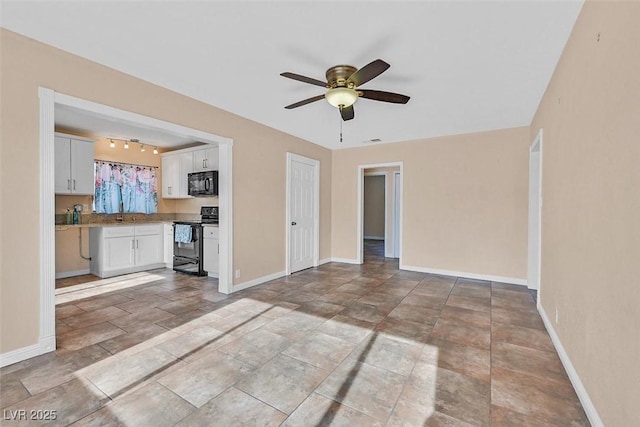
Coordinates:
<point>343,82</point>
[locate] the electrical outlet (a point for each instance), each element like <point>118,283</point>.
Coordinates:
<point>237,274</point>
<point>85,208</point>
<point>556,316</point>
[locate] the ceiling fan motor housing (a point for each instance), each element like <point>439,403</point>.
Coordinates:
<point>337,76</point>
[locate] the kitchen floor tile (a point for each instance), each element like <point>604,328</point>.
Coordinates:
<point>234,408</point>
<point>363,387</point>
<point>205,378</point>
<point>283,382</point>
<point>339,344</point>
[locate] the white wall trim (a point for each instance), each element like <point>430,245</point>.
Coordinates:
<point>47,333</point>
<point>316,208</point>
<point>465,275</point>
<point>345,260</point>
<point>139,119</point>
<point>65,274</point>
<point>534,270</point>
<point>360,205</point>
<point>48,99</point>
<point>581,391</point>
<point>258,281</point>
<point>324,261</point>
<point>225,202</point>
<point>15,356</point>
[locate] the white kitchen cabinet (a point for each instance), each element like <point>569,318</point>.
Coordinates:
<point>126,249</point>
<point>211,240</point>
<point>175,167</point>
<point>73,167</point>
<point>205,159</point>
<point>168,245</point>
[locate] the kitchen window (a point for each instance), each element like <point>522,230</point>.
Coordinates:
<point>125,188</point>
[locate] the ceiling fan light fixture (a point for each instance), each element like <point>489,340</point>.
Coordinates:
<point>341,97</point>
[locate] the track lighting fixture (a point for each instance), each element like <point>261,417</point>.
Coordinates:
<point>143,148</point>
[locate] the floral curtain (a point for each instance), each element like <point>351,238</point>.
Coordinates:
<point>133,187</point>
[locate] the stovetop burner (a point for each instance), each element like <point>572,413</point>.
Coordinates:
<point>208,215</point>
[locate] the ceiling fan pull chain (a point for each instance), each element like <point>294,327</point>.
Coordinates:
<point>341,126</point>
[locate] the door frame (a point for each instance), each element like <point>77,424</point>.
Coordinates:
<point>395,218</point>
<point>316,208</point>
<point>360,206</point>
<point>48,99</point>
<point>534,252</point>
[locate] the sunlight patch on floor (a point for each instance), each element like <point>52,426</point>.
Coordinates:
<point>99,287</point>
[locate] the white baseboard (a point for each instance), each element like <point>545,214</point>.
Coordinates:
<point>258,281</point>
<point>65,274</point>
<point>587,404</point>
<point>44,346</point>
<point>373,238</point>
<point>324,261</point>
<point>488,277</point>
<point>345,260</point>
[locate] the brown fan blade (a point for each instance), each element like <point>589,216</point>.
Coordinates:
<point>347,113</point>
<point>304,102</point>
<point>304,79</point>
<point>368,72</point>
<point>378,95</point>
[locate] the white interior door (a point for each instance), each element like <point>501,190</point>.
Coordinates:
<point>303,197</point>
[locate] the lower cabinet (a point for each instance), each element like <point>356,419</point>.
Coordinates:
<point>211,249</point>
<point>125,249</point>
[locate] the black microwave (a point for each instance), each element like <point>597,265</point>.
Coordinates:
<point>203,184</point>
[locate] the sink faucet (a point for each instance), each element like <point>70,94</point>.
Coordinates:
<point>120,216</point>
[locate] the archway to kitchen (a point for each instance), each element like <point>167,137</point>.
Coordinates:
<point>49,99</point>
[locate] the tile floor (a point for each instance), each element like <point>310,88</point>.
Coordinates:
<point>335,345</point>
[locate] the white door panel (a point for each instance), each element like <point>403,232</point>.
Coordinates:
<point>302,211</point>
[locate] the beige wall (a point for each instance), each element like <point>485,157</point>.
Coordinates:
<point>465,201</point>
<point>374,206</point>
<point>591,212</point>
<point>259,157</point>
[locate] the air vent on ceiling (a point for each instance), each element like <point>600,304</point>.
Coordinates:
<point>369,141</point>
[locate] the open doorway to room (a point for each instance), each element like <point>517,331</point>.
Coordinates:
<point>374,213</point>
<point>379,211</point>
<point>50,103</point>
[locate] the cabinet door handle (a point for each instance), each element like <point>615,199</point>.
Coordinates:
<point>294,223</point>
<point>69,184</point>
<point>170,189</point>
<point>74,184</point>
<point>137,244</point>
<point>218,248</point>
<point>133,244</point>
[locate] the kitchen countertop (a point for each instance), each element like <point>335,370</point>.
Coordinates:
<point>62,227</point>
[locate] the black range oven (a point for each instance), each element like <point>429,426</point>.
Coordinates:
<point>188,243</point>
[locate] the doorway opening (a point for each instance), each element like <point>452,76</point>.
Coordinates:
<point>379,204</point>
<point>49,101</point>
<point>535,213</point>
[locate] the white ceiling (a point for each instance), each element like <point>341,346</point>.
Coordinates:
<point>468,66</point>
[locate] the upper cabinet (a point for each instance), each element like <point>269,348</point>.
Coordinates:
<point>73,165</point>
<point>205,160</point>
<point>175,167</point>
